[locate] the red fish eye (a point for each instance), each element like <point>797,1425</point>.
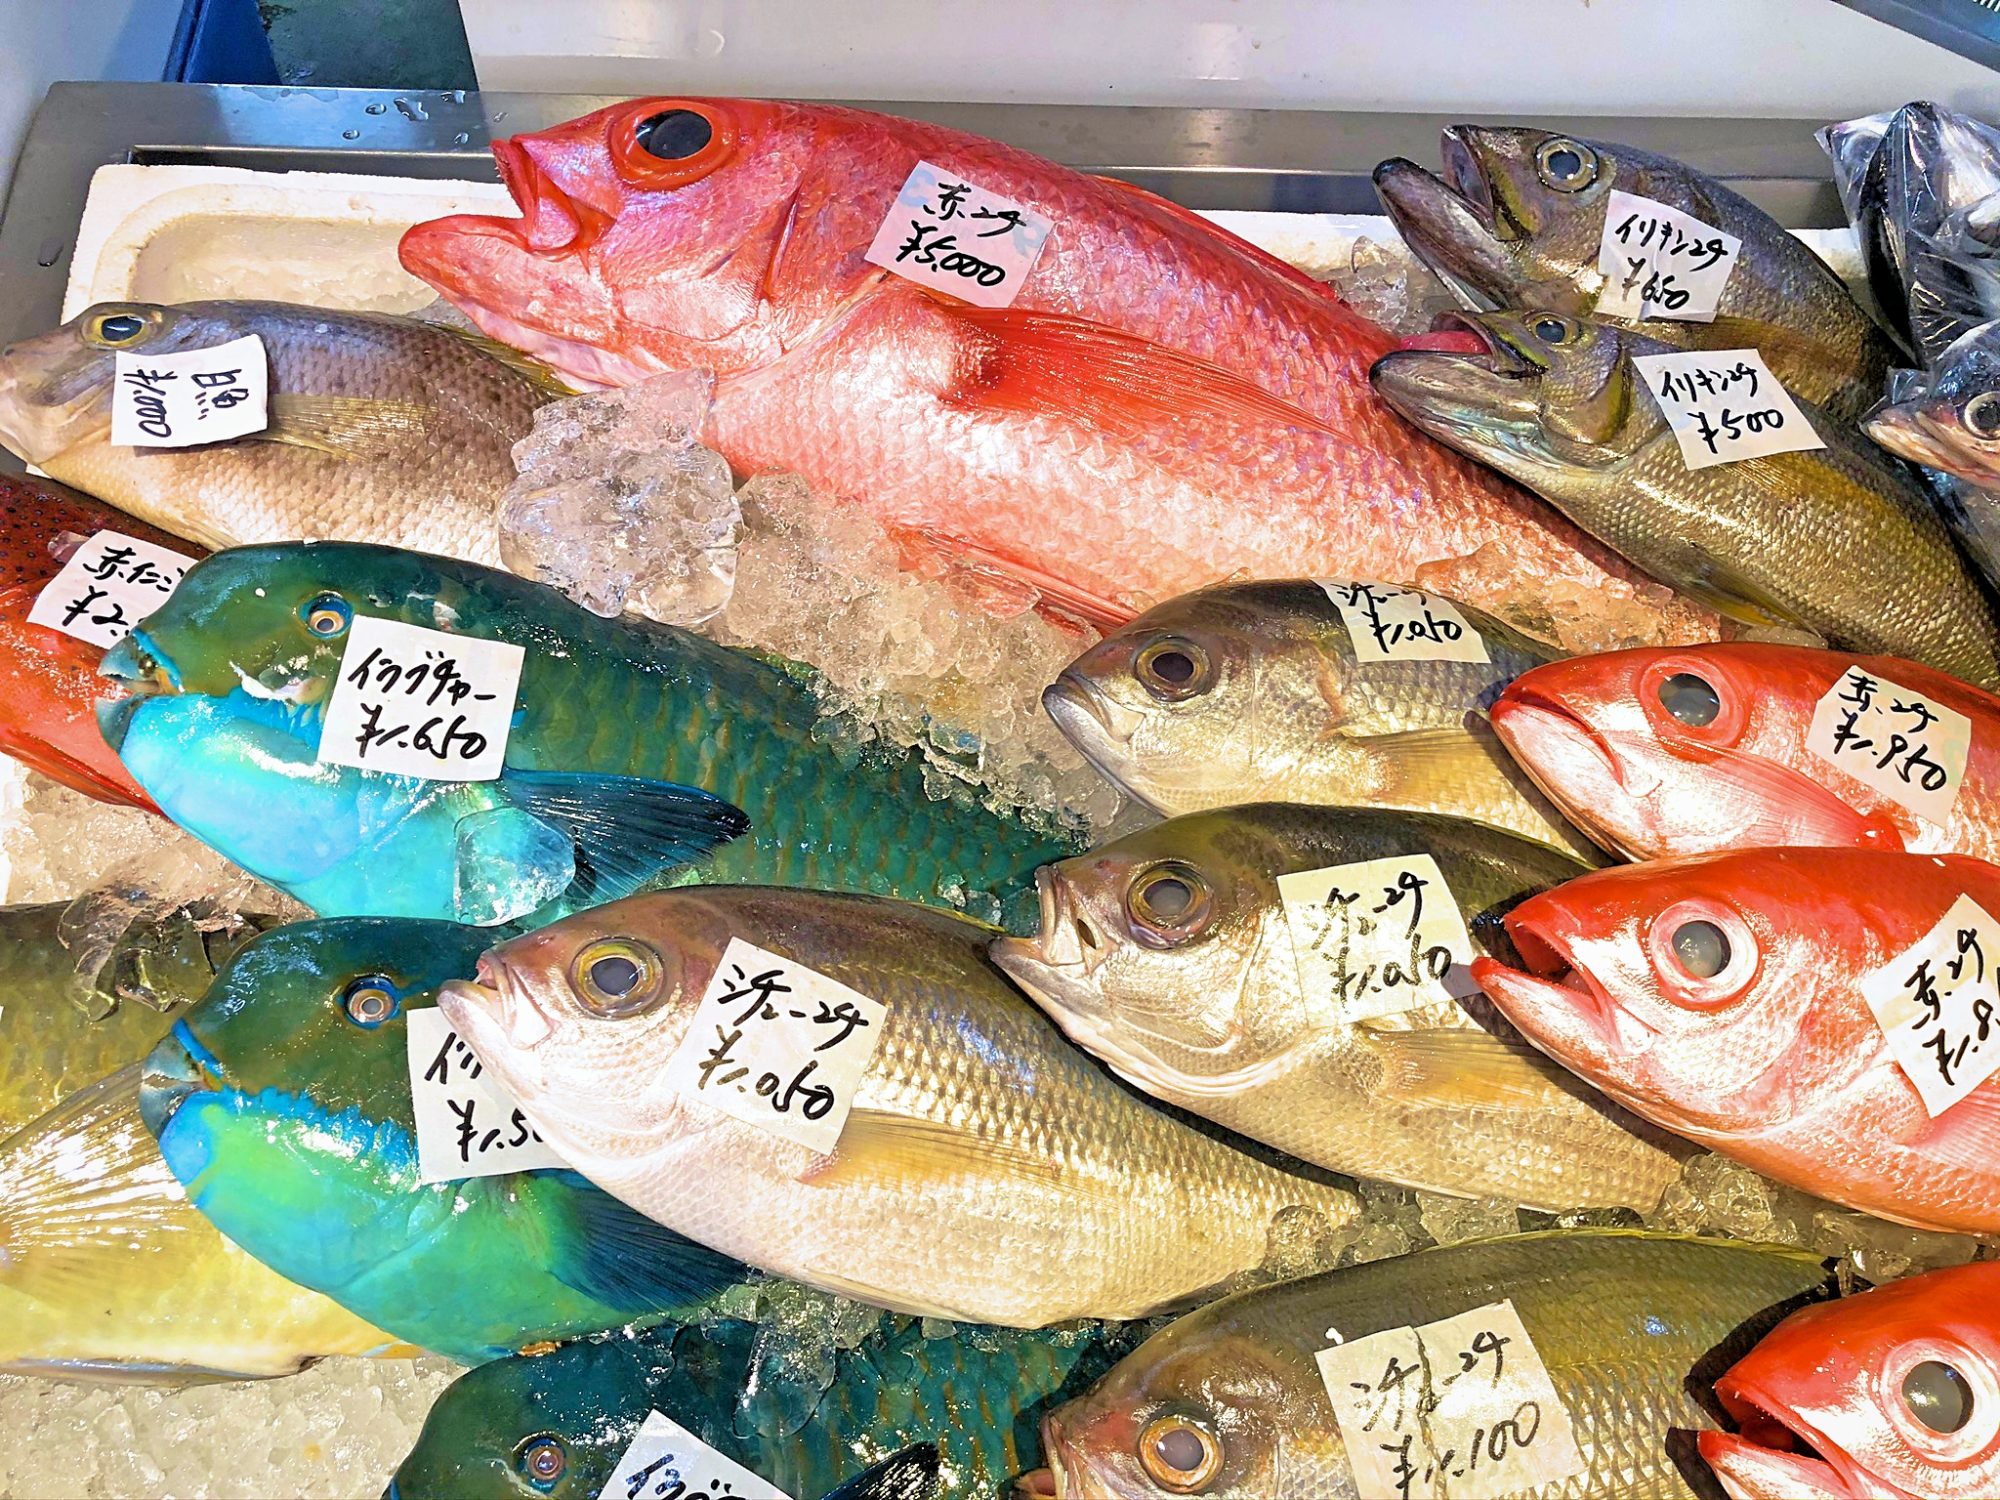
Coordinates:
<point>668,143</point>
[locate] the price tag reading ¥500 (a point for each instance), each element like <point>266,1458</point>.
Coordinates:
<point>778,1046</point>
<point>1377,937</point>
<point>107,586</point>
<point>1724,405</point>
<point>1460,1408</point>
<point>421,702</point>
<point>1389,623</point>
<point>193,396</point>
<point>955,237</point>
<point>664,1461</point>
<point>1938,1004</point>
<point>467,1125</point>
<point>1661,263</point>
<point>1910,748</point>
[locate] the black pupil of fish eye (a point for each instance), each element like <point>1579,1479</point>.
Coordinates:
<point>1690,699</point>
<point>119,328</point>
<point>1565,162</point>
<point>1175,667</point>
<point>615,975</point>
<point>1701,948</point>
<point>1169,897</point>
<point>675,134</point>
<point>1938,1396</point>
<point>1181,1449</point>
<point>1982,415</point>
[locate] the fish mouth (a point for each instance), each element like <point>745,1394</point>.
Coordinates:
<point>1567,759</point>
<point>176,1068</point>
<point>1452,224</point>
<point>1777,1455</point>
<point>1068,943</point>
<point>1097,728</point>
<point>1490,397</point>
<point>141,671</point>
<point>550,220</point>
<point>1553,998</point>
<point>1929,434</point>
<point>495,1002</point>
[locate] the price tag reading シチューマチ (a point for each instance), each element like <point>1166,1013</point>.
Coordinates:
<point>419,702</point>
<point>107,586</point>
<point>1939,1006</point>
<point>1390,623</point>
<point>467,1125</point>
<point>664,1461</point>
<point>1377,937</point>
<point>1724,405</point>
<point>1661,263</point>
<point>953,236</point>
<point>778,1046</point>
<point>1910,748</point>
<point>193,396</point>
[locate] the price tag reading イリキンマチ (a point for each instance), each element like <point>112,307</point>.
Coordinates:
<point>1724,405</point>
<point>107,586</point>
<point>419,702</point>
<point>1661,263</point>
<point>467,1124</point>
<point>953,236</point>
<point>664,1461</point>
<point>1377,937</point>
<point>193,396</point>
<point>1938,1004</point>
<point>1910,748</point>
<point>1390,623</point>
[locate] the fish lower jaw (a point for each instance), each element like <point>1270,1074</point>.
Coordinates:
<point>1778,1457</point>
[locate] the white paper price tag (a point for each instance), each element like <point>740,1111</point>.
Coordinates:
<point>109,584</point>
<point>194,396</point>
<point>667,1462</point>
<point>421,702</point>
<point>1377,937</point>
<point>1661,263</point>
<point>1391,623</point>
<point>1939,1006</point>
<point>1459,1409</point>
<point>1910,748</point>
<point>467,1124</point>
<point>955,237</point>
<point>778,1046</point>
<point>1724,405</point>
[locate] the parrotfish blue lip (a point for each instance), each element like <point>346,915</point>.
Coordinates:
<point>179,1066</point>
<point>144,671</point>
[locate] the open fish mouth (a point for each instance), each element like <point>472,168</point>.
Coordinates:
<point>1566,758</point>
<point>1491,389</point>
<point>1453,223</point>
<point>140,671</point>
<point>1931,436</point>
<point>1556,999</point>
<point>176,1068</point>
<point>1777,1455</point>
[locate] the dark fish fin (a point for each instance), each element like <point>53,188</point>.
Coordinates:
<point>346,427</point>
<point>909,1475</point>
<point>537,374</point>
<point>608,1250</point>
<point>626,829</point>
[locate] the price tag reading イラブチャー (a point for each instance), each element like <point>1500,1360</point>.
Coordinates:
<point>955,237</point>
<point>1459,1409</point>
<point>467,1126</point>
<point>1661,263</point>
<point>664,1461</point>
<point>1938,1004</point>
<point>1377,937</point>
<point>108,585</point>
<point>778,1046</point>
<point>1910,748</point>
<point>420,702</point>
<point>192,396</point>
<point>1724,405</point>
<point>1389,623</point>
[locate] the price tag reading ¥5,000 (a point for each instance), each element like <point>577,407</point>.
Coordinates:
<point>421,702</point>
<point>664,1461</point>
<point>1939,1006</point>
<point>193,396</point>
<point>1724,405</point>
<point>1378,937</point>
<point>1661,263</point>
<point>1390,623</point>
<point>467,1126</point>
<point>1460,1408</point>
<point>954,237</point>
<point>778,1046</point>
<point>107,586</point>
<point>1910,748</point>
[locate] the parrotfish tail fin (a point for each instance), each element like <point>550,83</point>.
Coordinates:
<point>626,829</point>
<point>608,1250</point>
<point>909,1475</point>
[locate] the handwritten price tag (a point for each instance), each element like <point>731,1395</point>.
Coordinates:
<point>467,1125</point>
<point>667,1462</point>
<point>1378,937</point>
<point>1661,263</point>
<point>107,586</point>
<point>1724,405</point>
<point>1460,1408</point>
<point>421,702</point>
<point>778,1046</point>
<point>955,237</point>
<point>1390,623</point>
<point>1910,748</point>
<point>1937,1002</point>
<point>195,396</point>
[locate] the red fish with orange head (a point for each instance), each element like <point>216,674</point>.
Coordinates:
<point>1892,1394</point>
<point>1163,405</point>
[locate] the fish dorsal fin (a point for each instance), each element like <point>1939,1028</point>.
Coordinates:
<point>530,369</point>
<point>876,1146</point>
<point>347,427</point>
<point>1464,1068</point>
<point>605,1249</point>
<point>1256,254</point>
<point>626,829</point>
<point>911,1474</point>
<point>1966,1137</point>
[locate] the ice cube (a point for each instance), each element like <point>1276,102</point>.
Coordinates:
<point>508,863</point>
<point>1451,1221</point>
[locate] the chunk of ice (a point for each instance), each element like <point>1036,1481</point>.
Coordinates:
<point>508,863</point>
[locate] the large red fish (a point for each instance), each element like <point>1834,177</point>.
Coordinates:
<point>1720,997</point>
<point>49,687</point>
<point>1893,1393</point>
<point>1703,748</point>
<point>1162,406</point>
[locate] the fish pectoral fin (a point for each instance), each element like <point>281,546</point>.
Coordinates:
<point>1965,1137</point>
<point>1061,594</point>
<point>537,374</point>
<point>876,1146</point>
<point>1464,1068</point>
<point>911,1474</point>
<point>347,427</point>
<point>607,1249</point>
<point>626,829</point>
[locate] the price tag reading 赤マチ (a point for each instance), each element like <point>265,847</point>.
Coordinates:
<point>1459,1409</point>
<point>1939,1006</point>
<point>1378,937</point>
<point>955,237</point>
<point>467,1126</point>
<point>193,396</point>
<point>778,1046</point>
<point>420,702</point>
<point>1910,748</point>
<point>1390,623</point>
<point>107,586</point>
<point>664,1461</point>
<point>1661,263</point>
<point>1724,405</point>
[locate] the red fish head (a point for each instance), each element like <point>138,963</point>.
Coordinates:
<point>646,236</point>
<point>1681,750</point>
<point>1894,1392</point>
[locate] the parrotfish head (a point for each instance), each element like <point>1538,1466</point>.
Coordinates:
<point>1952,423</point>
<point>1894,1391</point>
